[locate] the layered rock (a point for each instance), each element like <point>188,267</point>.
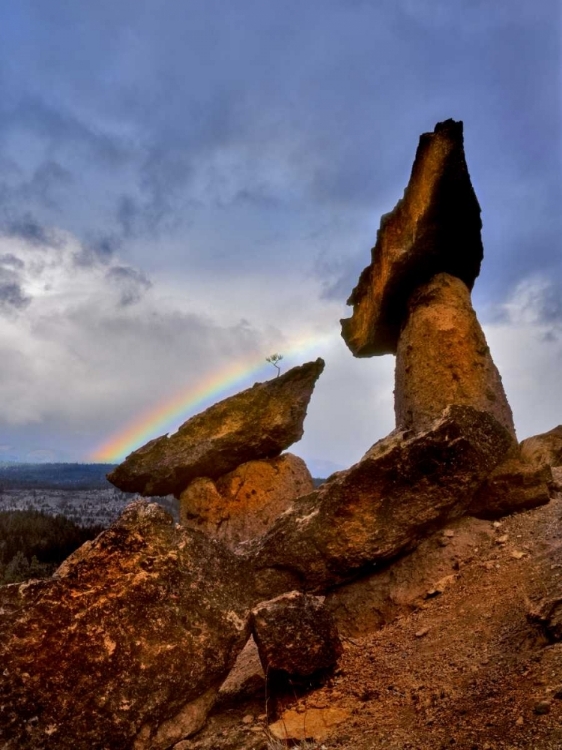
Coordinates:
<point>434,228</point>
<point>295,634</point>
<point>403,488</point>
<point>442,358</point>
<point>128,645</point>
<point>246,502</point>
<point>259,422</point>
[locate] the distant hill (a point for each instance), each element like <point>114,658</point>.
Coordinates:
<point>55,476</point>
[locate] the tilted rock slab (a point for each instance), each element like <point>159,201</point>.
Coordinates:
<point>259,422</point>
<point>296,634</point>
<point>434,228</point>
<point>443,358</point>
<point>403,488</point>
<point>129,646</point>
<point>246,502</point>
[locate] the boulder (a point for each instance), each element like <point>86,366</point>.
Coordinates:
<point>442,358</point>
<point>246,502</point>
<point>434,228</point>
<point>514,485</point>
<point>544,449</point>
<point>404,487</point>
<point>295,634</point>
<point>128,645</point>
<point>259,422</point>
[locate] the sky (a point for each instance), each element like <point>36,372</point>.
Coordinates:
<point>187,188</point>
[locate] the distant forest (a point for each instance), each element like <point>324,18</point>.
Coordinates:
<point>55,476</point>
<point>33,544</point>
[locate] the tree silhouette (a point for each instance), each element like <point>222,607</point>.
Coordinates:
<point>273,360</point>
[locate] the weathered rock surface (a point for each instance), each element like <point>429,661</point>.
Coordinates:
<point>514,485</point>
<point>296,634</point>
<point>547,614</point>
<point>443,358</point>
<point>315,724</point>
<point>128,646</point>
<point>403,488</point>
<point>259,422</point>
<point>544,449</point>
<point>377,599</point>
<point>246,502</point>
<point>434,228</point>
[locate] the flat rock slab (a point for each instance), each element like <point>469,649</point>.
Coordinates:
<point>434,228</point>
<point>296,634</point>
<point>246,502</point>
<point>259,422</point>
<point>313,724</point>
<point>404,487</point>
<point>127,646</point>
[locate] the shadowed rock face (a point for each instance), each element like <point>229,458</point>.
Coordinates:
<point>128,647</point>
<point>405,486</point>
<point>246,502</point>
<point>434,228</point>
<point>443,358</point>
<point>259,422</point>
<point>296,634</point>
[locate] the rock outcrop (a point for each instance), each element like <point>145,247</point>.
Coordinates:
<point>434,228</point>
<point>442,358</point>
<point>544,449</point>
<point>259,422</point>
<point>295,634</point>
<point>403,488</point>
<point>245,503</point>
<point>128,645</point>
<point>515,485</point>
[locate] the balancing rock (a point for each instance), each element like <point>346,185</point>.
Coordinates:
<point>434,228</point>
<point>259,422</point>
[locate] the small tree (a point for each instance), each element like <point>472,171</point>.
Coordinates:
<point>274,359</point>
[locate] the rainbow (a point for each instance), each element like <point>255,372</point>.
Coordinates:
<point>169,414</point>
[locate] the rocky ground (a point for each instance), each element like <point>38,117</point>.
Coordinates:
<point>463,669</point>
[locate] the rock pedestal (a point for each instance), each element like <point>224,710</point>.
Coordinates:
<point>443,358</point>
<point>246,502</point>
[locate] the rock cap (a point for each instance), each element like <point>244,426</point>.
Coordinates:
<point>434,228</point>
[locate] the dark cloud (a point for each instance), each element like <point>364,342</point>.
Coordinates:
<point>132,283</point>
<point>12,296</point>
<point>27,228</point>
<point>11,261</point>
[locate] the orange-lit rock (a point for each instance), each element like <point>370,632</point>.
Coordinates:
<point>434,228</point>
<point>443,358</point>
<point>246,502</point>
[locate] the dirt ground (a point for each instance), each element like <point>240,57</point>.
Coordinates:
<point>461,667</point>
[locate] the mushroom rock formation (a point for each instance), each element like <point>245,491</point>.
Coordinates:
<point>404,487</point>
<point>434,228</point>
<point>127,646</point>
<point>259,422</point>
<point>245,502</point>
<point>442,358</point>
